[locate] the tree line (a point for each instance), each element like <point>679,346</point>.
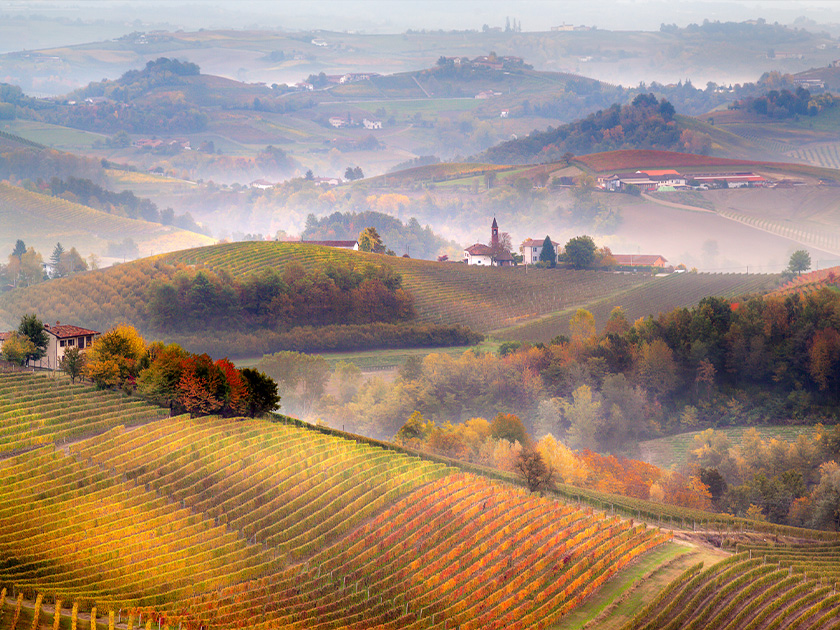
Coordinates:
<point>336,294</point>
<point>646,123</point>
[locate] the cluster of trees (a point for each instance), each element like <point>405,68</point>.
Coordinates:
<point>504,443</point>
<point>647,123</point>
<point>161,72</point>
<point>336,294</point>
<point>28,342</point>
<point>786,103</point>
<point>125,203</point>
<point>33,163</point>
<point>170,376</point>
<point>796,483</point>
<point>25,266</point>
<point>406,238</point>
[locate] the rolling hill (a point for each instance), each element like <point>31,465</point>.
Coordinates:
<point>231,522</point>
<point>228,522</point>
<point>445,293</point>
<point>41,221</point>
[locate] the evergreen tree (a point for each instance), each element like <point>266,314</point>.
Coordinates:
<point>55,260</point>
<point>20,249</point>
<point>33,329</point>
<point>548,255</point>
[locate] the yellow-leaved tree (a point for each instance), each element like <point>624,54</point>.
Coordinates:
<point>115,358</point>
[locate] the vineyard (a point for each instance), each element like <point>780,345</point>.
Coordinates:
<point>37,410</point>
<point>821,236</point>
<point>42,221</point>
<point>826,155</point>
<point>767,587</point>
<point>230,522</point>
<point>810,282</point>
<point>481,298</point>
<point>657,296</point>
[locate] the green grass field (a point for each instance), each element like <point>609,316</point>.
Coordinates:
<point>54,136</point>
<point>672,451</point>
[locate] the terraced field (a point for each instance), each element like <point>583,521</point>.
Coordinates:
<point>809,282</point>
<point>826,155</point>
<point>42,221</point>
<point>818,235</point>
<point>750,590</point>
<point>227,523</point>
<point>652,297</point>
<point>37,410</point>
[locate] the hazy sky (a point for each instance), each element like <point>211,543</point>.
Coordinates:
<point>398,15</point>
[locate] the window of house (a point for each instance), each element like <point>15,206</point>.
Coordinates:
<point>71,342</point>
<point>62,343</point>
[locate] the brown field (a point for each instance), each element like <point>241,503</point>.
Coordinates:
<point>627,159</point>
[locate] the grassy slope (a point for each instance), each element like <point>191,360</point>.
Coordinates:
<point>41,221</point>
<point>667,452</point>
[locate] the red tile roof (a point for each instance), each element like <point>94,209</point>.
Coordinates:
<point>64,331</point>
<point>639,259</point>
<point>479,249</point>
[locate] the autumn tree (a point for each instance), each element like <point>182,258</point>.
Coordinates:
<point>534,471</point>
<point>17,348</point>
<point>115,358</point>
<point>506,426</point>
<point>800,261</point>
<point>72,363</point>
<point>370,241</point>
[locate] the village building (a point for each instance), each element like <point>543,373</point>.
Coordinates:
<point>61,337</point>
<point>640,260</point>
<point>489,255</point>
<point>531,251</point>
<point>262,184</point>
<point>372,124</point>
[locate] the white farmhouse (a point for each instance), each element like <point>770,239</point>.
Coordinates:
<point>531,250</point>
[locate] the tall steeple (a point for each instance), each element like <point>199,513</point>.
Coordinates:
<point>494,233</point>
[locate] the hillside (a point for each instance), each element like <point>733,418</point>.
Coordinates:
<point>227,522</point>
<point>273,524</point>
<point>444,293</point>
<point>41,221</point>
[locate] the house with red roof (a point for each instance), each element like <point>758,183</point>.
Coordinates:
<point>640,260</point>
<point>492,255</point>
<point>62,337</point>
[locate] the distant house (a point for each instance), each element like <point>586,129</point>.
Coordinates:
<point>338,122</point>
<point>647,181</point>
<point>640,260</point>
<point>504,113</point>
<point>326,181</point>
<point>531,250</point>
<point>354,245</point>
<point>484,94</point>
<point>262,184</point>
<point>372,124</point>
<point>479,254</point>
<point>489,255</point>
<point>61,338</point>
